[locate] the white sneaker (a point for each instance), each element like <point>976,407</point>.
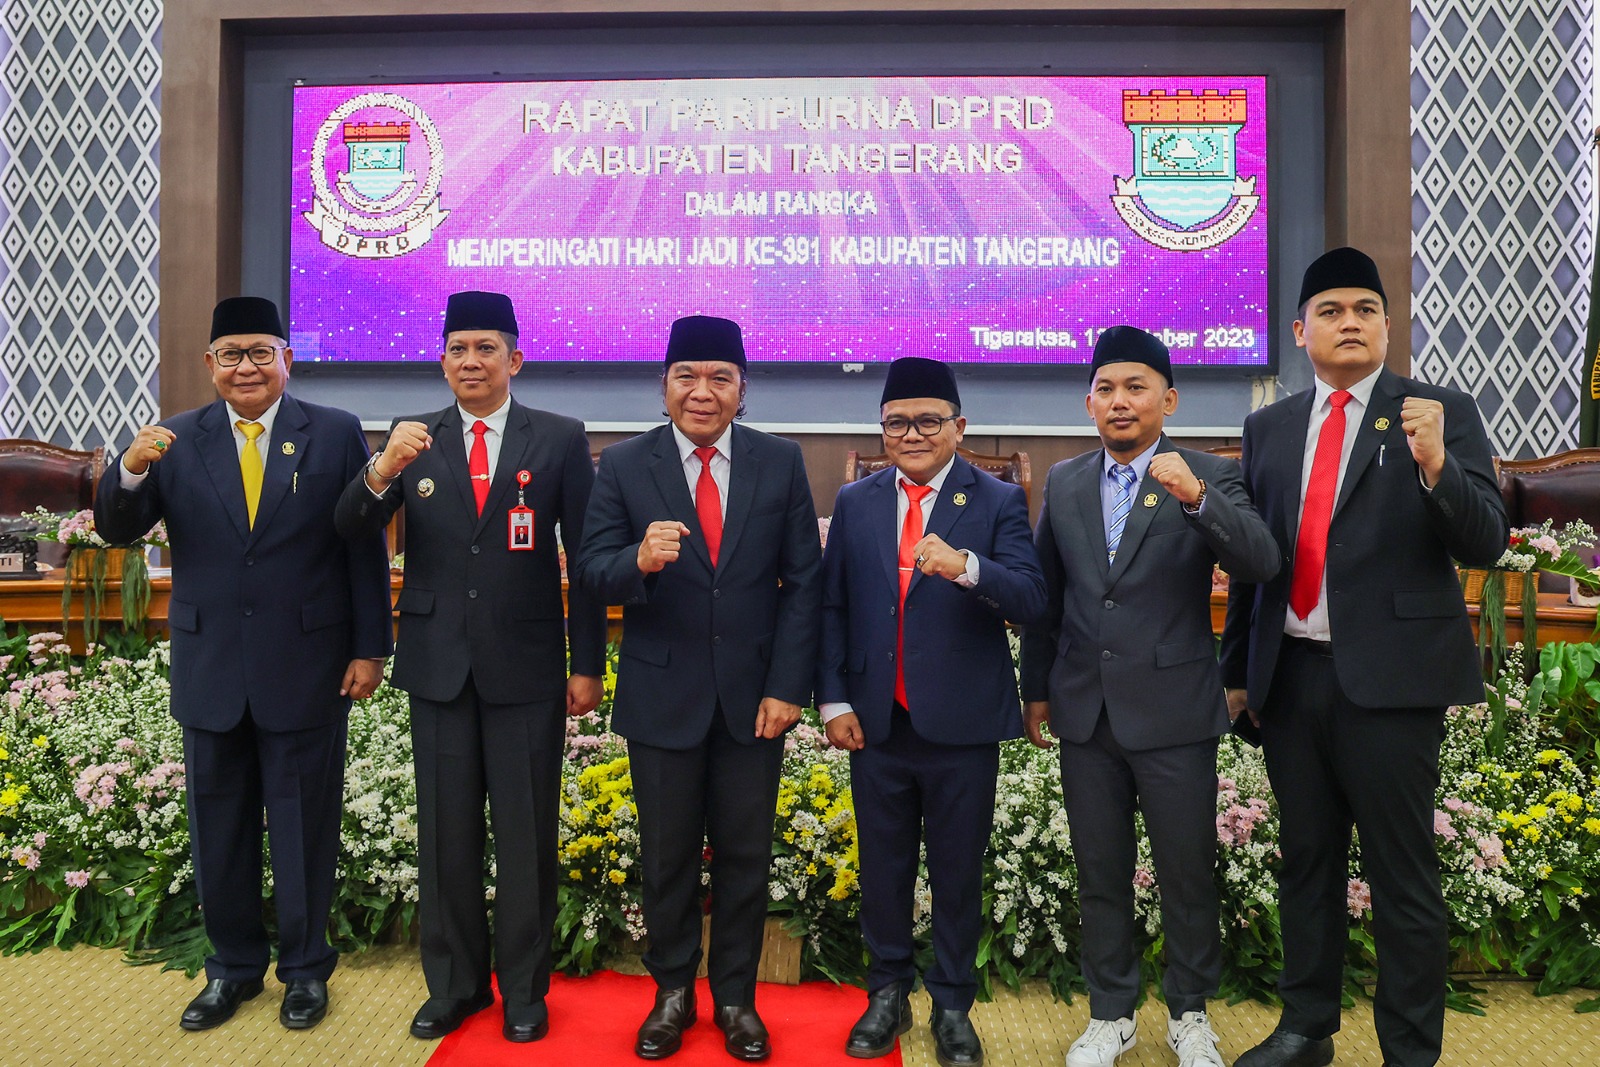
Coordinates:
<point>1101,1043</point>
<point>1192,1038</point>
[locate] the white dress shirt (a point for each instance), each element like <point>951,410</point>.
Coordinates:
<point>496,422</point>
<point>129,480</point>
<point>833,710</point>
<point>1315,625</point>
<point>721,463</point>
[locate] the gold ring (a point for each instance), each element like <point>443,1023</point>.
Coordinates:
<point>161,445</point>
<point>920,561</point>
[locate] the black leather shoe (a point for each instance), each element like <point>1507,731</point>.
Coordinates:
<point>956,1043</point>
<point>662,1030</point>
<point>1283,1049</point>
<point>745,1033</point>
<point>305,1002</point>
<point>217,1002</point>
<point>526,1022</point>
<point>439,1016</point>
<point>888,1015</point>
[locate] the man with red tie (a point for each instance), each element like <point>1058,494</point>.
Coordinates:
<point>705,532</point>
<point>1371,484</point>
<point>926,561</point>
<point>483,653</point>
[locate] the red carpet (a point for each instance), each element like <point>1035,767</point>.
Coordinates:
<point>593,1022</point>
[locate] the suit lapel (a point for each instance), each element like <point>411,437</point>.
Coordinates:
<point>515,444</point>
<point>447,438</point>
<point>667,470</point>
<point>288,445</point>
<point>742,476</point>
<point>221,458</point>
<point>1082,496</point>
<point>882,511</point>
<point>1149,497</point>
<point>945,510</point>
<point>1285,466</point>
<point>1384,403</point>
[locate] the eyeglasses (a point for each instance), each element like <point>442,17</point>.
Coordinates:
<point>927,425</point>
<point>260,355</point>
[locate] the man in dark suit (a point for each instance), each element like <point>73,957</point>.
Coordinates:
<point>1125,670</point>
<point>482,651</point>
<point>926,560</point>
<point>1371,483</point>
<point>705,531</point>
<point>277,624</point>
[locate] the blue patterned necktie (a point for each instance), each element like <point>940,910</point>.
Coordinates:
<point>1120,506</point>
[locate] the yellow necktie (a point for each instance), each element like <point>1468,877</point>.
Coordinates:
<point>250,467</point>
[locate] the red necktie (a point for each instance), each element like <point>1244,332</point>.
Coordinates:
<point>910,534</point>
<point>708,503</point>
<point>478,465</point>
<point>1311,547</point>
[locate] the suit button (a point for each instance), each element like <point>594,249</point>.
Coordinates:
<point>249,611</point>
<point>1106,654</point>
<point>716,640</point>
<point>249,561</point>
<point>1110,604</point>
<point>472,594</point>
<point>891,655</point>
<point>891,609</point>
<point>716,594</point>
<point>475,550</point>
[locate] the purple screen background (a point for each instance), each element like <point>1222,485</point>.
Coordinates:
<point>496,182</point>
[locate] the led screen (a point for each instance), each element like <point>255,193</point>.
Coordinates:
<point>854,220</point>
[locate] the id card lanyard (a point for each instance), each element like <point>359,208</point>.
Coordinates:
<point>519,520</point>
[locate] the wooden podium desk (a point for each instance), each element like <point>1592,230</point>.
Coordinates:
<point>1558,620</point>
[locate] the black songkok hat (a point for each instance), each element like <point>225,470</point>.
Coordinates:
<point>1129,344</point>
<point>475,310</point>
<point>705,337</point>
<point>914,377</point>
<point>239,315</point>
<point>1342,268</point>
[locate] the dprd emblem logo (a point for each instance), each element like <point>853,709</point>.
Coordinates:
<point>374,207</point>
<point>1185,194</point>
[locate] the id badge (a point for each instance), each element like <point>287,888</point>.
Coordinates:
<point>519,529</point>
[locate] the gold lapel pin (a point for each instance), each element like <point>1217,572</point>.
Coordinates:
<point>1149,500</point>
<point>1381,424</point>
<point>288,448</point>
<point>959,500</point>
<point>425,487</point>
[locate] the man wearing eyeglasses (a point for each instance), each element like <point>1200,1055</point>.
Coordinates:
<point>926,560</point>
<point>277,624</point>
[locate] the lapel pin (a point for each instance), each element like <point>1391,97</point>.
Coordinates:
<point>1381,425</point>
<point>1149,500</point>
<point>425,487</point>
<point>288,448</point>
<point>959,500</point>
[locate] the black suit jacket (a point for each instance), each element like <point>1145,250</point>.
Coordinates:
<point>693,636</point>
<point>1396,615</point>
<point>469,602</point>
<point>268,616</point>
<point>1135,637</point>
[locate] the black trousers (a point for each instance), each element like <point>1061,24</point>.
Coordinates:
<point>723,793</point>
<point>909,792</point>
<point>1335,765</point>
<point>298,779</point>
<point>1176,788</point>
<point>467,750</point>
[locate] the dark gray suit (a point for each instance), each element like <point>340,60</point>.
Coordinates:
<point>1128,664</point>
<point>482,651</point>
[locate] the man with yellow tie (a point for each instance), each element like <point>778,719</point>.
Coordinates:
<point>277,623</point>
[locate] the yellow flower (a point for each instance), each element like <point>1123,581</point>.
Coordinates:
<point>576,876</point>
<point>1548,756</point>
<point>1576,890</point>
<point>616,877</point>
<point>41,742</point>
<point>1544,871</point>
<point>1531,832</point>
<point>4,755</point>
<point>1538,811</point>
<point>811,868</point>
<point>1592,826</point>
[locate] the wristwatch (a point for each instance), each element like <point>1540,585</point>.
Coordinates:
<point>1194,509</point>
<point>372,468</point>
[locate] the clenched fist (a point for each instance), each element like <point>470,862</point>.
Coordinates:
<point>661,545</point>
<point>1423,422</point>
<point>1170,469</point>
<point>407,441</point>
<point>149,445</point>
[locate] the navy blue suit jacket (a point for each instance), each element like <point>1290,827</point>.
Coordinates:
<point>267,617</point>
<point>960,680</point>
<point>694,636</point>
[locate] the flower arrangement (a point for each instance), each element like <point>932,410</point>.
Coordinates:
<point>90,560</point>
<point>1529,549</point>
<point>94,836</point>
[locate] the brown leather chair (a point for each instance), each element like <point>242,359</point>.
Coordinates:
<point>38,474</point>
<point>1013,468</point>
<point>1227,451</point>
<point>1562,487</point>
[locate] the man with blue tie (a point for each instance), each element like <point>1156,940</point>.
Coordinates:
<point>277,624</point>
<point>705,532</point>
<point>1124,670</point>
<point>926,560</point>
